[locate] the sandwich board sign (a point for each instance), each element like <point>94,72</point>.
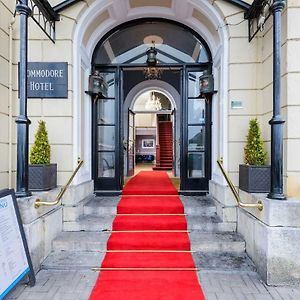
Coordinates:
<point>15,261</point>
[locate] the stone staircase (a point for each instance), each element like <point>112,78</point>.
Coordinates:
<point>215,244</point>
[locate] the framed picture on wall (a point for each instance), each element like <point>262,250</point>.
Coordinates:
<point>148,143</point>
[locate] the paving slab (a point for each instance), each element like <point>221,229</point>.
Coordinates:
<point>217,285</point>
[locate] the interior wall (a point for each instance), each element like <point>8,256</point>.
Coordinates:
<point>139,146</point>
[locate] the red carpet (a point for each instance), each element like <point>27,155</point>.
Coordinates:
<point>150,183</point>
<point>148,256</point>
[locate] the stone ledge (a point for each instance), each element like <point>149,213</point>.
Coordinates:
<point>222,194</point>
<point>77,193</point>
<point>274,250</point>
<point>26,205</point>
<point>276,212</point>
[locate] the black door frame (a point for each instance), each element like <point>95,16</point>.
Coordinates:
<point>115,185</point>
<point>189,186</point>
<point>109,185</point>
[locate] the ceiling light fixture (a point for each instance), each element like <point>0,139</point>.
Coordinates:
<point>153,102</point>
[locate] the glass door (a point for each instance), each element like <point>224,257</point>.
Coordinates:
<point>196,163</point>
<point>106,136</point>
<point>131,143</point>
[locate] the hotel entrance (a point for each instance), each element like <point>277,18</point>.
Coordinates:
<point>150,110</point>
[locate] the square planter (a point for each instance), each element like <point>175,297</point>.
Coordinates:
<point>42,177</point>
<point>255,179</point>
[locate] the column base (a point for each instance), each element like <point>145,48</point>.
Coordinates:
<point>276,196</point>
<point>23,194</point>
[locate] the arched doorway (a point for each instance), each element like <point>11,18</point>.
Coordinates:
<point>148,111</point>
<point>182,58</point>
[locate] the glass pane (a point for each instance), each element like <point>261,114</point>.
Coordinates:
<point>193,84</point>
<point>129,44</point>
<point>106,164</point>
<point>196,138</point>
<point>110,80</point>
<point>196,111</point>
<point>196,166</point>
<point>106,111</point>
<point>106,137</point>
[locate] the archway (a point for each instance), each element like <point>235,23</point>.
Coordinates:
<point>202,18</point>
<point>170,93</point>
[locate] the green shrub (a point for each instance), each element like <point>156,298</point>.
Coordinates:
<point>255,153</point>
<point>40,151</point>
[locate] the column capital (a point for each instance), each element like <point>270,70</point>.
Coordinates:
<point>278,5</point>
<point>22,8</point>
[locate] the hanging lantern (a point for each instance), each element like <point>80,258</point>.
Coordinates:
<point>152,71</point>
<point>151,56</point>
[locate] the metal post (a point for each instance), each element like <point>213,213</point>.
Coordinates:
<point>277,122</point>
<point>22,120</point>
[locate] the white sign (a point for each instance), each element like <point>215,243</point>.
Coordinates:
<point>13,260</point>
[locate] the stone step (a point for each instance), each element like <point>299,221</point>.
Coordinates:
<point>72,260</point>
<point>102,206</point>
<point>81,241</point>
<point>217,261</point>
<point>217,242</point>
<point>203,206</point>
<point>90,223</point>
<point>223,261</point>
<point>97,241</point>
<point>209,224</point>
<point>100,223</point>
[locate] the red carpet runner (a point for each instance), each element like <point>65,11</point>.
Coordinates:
<point>149,238</point>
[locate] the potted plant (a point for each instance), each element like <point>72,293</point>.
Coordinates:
<point>42,174</point>
<point>254,175</point>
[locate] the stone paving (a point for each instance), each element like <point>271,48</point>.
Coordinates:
<point>77,285</point>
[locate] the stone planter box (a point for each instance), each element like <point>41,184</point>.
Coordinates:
<point>42,177</point>
<point>255,179</point>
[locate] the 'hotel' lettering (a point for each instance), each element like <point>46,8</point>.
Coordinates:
<point>41,86</point>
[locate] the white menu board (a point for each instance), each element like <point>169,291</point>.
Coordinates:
<point>13,258</point>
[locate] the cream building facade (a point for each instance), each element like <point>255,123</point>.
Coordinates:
<point>242,72</point>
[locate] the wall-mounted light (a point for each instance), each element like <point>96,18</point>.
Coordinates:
<point>206,84</point>
<point>98,87</point>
